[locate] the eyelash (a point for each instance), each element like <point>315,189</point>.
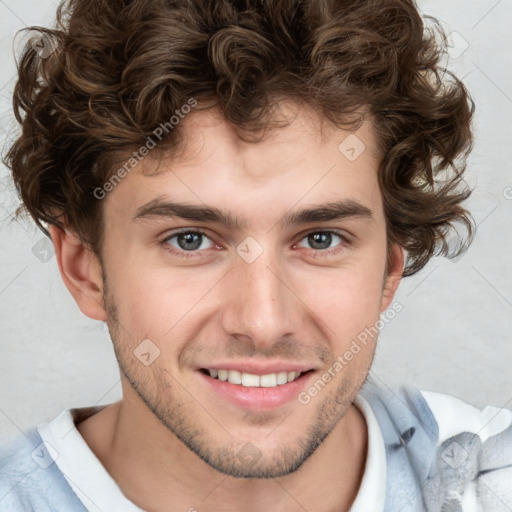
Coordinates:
<point>197,254</point>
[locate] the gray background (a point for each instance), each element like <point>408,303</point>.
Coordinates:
<point>453,335</point>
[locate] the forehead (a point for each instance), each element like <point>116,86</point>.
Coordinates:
<point>306,134</point>
<point>306,162</point>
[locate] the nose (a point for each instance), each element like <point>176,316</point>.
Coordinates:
<point>261,306</point>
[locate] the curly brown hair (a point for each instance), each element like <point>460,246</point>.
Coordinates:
<point>121,67</point>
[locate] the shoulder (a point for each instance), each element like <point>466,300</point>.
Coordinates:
<point>460,456</point>
<point>474,453</point>
<point>30,479</point>
<point>16,467</point>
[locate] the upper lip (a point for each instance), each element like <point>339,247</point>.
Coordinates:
<point>259,368</point>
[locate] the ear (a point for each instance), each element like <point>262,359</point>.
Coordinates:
<point>394,276</point>
<point>80,270</point>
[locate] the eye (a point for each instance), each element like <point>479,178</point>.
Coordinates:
<point>192,243</point>
<point>322,240</point>
<point>187,242</point>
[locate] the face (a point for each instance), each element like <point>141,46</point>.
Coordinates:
<point>253,295</point>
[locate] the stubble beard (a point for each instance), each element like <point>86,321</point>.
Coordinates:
<point>238,458</point>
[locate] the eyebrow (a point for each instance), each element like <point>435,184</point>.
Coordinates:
<point>347,208</point>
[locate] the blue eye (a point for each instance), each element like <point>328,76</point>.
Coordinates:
<point>194,243</point>
<point>187,241</point>
<point>321,240</point>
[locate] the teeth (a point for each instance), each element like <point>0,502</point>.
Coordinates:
<point>234,377</point>
<point>282,377</point>
<point>270,380</point>
<point>250,381</point>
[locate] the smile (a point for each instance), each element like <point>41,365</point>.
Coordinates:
<point>269,380</point>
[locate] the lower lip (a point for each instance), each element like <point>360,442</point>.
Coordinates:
<point>258,398</point>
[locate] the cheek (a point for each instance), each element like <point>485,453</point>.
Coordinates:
<point>157,302</point>
<point>347,301</point>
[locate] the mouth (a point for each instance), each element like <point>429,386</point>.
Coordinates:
<point>250,380</point>
<point>251,391</point>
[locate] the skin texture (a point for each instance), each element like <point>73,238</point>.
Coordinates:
<point>173,443</point>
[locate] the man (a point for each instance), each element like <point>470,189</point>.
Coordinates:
<point>237,189</point>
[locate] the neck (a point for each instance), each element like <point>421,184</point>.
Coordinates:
<point>158,472</point>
